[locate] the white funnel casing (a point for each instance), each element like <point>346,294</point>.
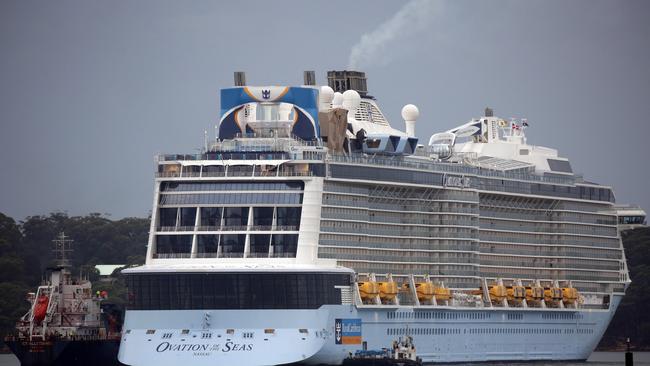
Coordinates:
<point>325,97</point>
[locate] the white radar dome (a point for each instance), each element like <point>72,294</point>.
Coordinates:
<point>410,112</point>
<point>337,100</point>
<point>351,100</point>
<point>326,93</point>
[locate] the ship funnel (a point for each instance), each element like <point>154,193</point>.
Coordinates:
<point>240,78</point>
<point>489,112</point>
<point>309,77</point>
<point>342,81</point>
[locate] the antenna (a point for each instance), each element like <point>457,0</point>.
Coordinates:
<point>62,246</point>
<point>205,140</point>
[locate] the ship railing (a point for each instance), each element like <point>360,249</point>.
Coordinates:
<point>250,173</point>
<point>172,255</point>
<point>443,167</point>
<point>229,228</point>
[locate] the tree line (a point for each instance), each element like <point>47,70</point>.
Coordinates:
<point>25,254</point>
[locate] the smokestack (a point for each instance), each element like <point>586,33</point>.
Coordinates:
<point>310,77</point>
<point>341,81</point>
<point>240,78</point>
<point>489,112</point>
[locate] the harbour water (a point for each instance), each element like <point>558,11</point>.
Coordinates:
<point>596,359</point>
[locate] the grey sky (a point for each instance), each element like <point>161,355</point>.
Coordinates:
<point>90,91</point>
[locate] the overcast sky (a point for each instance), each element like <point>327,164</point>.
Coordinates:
<point>90,91</point>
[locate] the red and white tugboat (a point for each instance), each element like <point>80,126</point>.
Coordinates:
<point>65,324</point>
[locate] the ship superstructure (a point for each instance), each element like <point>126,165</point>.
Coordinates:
<point>311,228</point>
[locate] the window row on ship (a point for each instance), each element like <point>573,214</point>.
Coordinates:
<point>497,201</point>
<point>499,270</point>
<point>398,255</point>
<point>404,218</point>
<point>388,175</point>
<point>513,224</point>
<point>229,218</point>
<point>486,331</point>
<point>547,251</point>
<point>231,245</point>
<point>544,273</point>
<point>415,232</point>
<point>207,290</point>
<point>438,199</point>
<point>436,256</point>
<point>439,224</point>
<point>490,227</point>
<point>366,266</point>
<point>549,239</point>
<point>496,221</point>
<point>545,216</point>
<point>550,262</point>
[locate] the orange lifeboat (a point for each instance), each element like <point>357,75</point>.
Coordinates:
<point>425,291</point>
<point>569,295</point>
<point>387,290</point>
<point>534,293</point>
<point>442,293</point>
<point>552,294</point>
<point>368,290</point>
<point>40,309</point>
<point>498,293</point>
<point>516,293</point>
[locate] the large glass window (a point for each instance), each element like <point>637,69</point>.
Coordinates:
<point>187,217</point>
<point>171,246</point>
<point>236,216</point>
<point>263,217</point>
<point>183,291</point>
<point>259,246</point>
<point>284,245</point>
<point>211,217</point>
<point>207,246</point>
<point>232,245</point>
<point>284,198</point>
<point>288,218</point>
<point>167,217</point>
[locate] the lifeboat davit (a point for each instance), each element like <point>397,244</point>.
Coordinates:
<point>40,309</point>
<point>442,293</point>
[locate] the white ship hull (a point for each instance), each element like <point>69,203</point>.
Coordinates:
<point>274,337</point>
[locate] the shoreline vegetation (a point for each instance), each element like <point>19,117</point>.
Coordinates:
<point>25,254</point>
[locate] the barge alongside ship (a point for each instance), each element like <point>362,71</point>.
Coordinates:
<point>311,229</point>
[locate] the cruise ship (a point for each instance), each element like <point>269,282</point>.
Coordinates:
<point>311,228</point>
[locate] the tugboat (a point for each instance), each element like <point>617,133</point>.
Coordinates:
<point>66,324</point>
<point>402,353</point>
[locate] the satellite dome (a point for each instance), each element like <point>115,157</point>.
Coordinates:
<point>326,93</point>
<point>351,100</point>
<point>410,112</point>
<point>337,100</point>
